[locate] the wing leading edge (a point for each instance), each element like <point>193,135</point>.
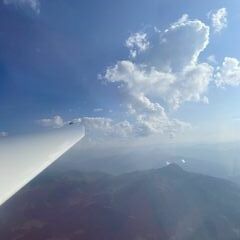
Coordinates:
<point>23,158</point>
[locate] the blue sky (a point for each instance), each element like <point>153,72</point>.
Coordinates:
<point>52,53</point>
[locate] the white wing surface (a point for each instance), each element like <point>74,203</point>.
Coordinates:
<point>23,158</point>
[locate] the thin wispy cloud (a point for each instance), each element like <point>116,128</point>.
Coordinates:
<point>212,59</point>
<point>34,5</point>
<point>55,122</point>
<point>97,109</point>
<point>3,134</point>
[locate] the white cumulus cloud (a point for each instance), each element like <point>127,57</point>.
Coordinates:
<point>163,72</point>
<point>95,126</point>
<point>106,127</point>
<point>219,19</point>
<point>168,70</point>
<point>100,127</point>
<point>229,73</point>
<point>137,43</point>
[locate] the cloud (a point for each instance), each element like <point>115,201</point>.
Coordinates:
<point>165,71</point>
<point>32,4</point>
<point>55,122</point>
<point>177,46</point>
<point>212,59</point>
<point>102,128</point>
<point>137,43</point>
<point>106,127</point>
<point>151,118</point>
<point>162,72</point>
<point>190,84</point>
<point>97,109</point>
<point>169,68</point>
<point>219,19</point>
<point>3,134</point>
<point>181,44</point>
<point>95,126</point>
<point>143,125</point>
<point>229,73</point>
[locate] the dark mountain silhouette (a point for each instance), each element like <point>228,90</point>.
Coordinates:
<point>163,204</point>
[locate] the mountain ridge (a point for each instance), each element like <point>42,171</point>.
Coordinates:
<point>167,203</point>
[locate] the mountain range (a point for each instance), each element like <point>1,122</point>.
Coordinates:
<point>161,204</point>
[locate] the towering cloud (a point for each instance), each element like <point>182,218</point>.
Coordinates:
<point>162,72</point>
<point>165,67</point>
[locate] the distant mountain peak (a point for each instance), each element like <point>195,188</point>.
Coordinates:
<point>172,169</point>
<point>173,166</point>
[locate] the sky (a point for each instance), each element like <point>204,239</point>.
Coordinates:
<point>164,70</point>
